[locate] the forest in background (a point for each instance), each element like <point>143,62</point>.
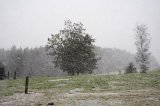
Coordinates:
<point>36,62</point>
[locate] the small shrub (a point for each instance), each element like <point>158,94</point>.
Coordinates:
<point>131,68</point>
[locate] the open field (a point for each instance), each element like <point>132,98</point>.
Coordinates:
<point>85,90</point>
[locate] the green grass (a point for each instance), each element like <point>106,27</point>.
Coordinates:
<point>90,83</point>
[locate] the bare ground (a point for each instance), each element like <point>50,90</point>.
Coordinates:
<point>77,97</point>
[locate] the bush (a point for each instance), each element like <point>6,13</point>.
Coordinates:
<point>2,71</point>
<point>131,68</point>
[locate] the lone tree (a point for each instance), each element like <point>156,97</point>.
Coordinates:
<point>2,71</point>
<point>143,44</point>
<point>131,68</point>
<point>72,49</point>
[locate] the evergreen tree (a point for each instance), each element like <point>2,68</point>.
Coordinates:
<point>15,62</point>
<point>72,49</point>
<point>2,71</point>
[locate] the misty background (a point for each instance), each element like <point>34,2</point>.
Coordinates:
<point>111,22</point>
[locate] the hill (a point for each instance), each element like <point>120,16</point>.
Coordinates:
<point>84,90</point>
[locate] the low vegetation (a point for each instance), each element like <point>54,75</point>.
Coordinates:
<point>133,89</point>
<point>90,83</point>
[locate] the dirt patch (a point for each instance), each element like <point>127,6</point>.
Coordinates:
<point>76,97</point>
<point>88,103</point>
<point>73,91</point>
<point>89,94</point>
<point>130,98</point>
<point>21,99</point>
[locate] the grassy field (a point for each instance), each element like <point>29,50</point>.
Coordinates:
<point>103,90</point>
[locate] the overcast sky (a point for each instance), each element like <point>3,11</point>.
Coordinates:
<point>28,23</point>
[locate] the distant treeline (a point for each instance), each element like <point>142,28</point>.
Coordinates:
<point>36,62</point>
<point>117,60</point>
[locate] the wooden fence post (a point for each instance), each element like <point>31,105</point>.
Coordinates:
<point>8,74</point>
<point>26,85</point>
<point>14,75</point>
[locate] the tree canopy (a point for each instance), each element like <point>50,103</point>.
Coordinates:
<point>73,49</point>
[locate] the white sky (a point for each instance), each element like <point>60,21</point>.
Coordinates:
<point>28,23</point>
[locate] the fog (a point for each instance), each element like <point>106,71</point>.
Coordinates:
<point>28,23</point>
